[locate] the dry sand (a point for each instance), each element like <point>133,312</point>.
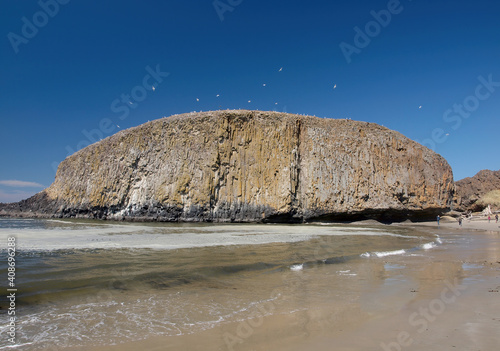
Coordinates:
<point>474,224</point>
<point>446,298</point>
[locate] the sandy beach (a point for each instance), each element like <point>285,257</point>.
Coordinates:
<point>445,298</point>
<point>473,224</point>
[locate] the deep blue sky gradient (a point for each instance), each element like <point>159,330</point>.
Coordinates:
<point>60,85</point>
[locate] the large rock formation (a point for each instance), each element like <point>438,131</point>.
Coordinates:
<point>469,190</point>
<point>248,166</point>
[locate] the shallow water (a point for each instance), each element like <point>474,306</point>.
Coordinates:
<point>83,283</point>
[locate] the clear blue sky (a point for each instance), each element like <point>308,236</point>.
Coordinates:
<point>66,71</point>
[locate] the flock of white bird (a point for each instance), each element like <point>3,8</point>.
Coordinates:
<point>249,101</point>
<point>264,84</point>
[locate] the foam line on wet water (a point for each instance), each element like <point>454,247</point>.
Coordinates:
<point>398,252</point>
<point>101,235</point>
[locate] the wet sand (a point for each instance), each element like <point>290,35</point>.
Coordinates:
<point>444,298</point>
<point>455,302</point>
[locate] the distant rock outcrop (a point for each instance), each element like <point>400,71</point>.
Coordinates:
<point>469,190</point>
<point>248,166</point>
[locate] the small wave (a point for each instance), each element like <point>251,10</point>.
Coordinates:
<point>390,253</point>
<point>384,253</point>
<point>297,267</point>
<point>426,246</point>
<point>64,222</point>
<point>429,246</point>
<point>8,347</point>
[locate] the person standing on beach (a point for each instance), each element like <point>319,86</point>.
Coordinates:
<point>460,221</point>
<point>496,217</point>
<point>489,218</point>
<point>438,218</point>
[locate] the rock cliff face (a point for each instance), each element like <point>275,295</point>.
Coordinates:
<point>248,166</point>
<point>469,190</point>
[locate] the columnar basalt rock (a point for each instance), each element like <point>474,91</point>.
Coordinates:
<point>248,166</point>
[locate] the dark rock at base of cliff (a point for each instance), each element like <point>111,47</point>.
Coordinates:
<point>40,206</point>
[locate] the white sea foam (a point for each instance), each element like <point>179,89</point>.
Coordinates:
<point>426,246</point>
<point>390,253</point>
<point>104,235</point>
<point>15,346</point>
<point>429,246</point>
<point>384,253</point>
<point>157,315</point>
<point>297,267</point>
